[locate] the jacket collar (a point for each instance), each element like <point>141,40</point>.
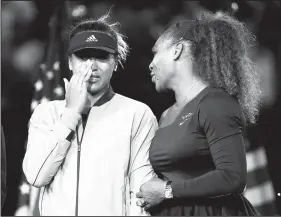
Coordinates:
<point>107,96</point>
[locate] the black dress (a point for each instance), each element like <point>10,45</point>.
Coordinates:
<point>3,169</point>
<point>202,152</point>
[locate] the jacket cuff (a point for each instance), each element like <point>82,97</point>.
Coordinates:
<point>70,118</point>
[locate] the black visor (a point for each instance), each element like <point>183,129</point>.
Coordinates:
<point>92,39</point>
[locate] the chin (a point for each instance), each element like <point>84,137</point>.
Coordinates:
<point>94,89</point>
<point>160,89</point>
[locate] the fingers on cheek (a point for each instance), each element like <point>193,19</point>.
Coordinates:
<point>88,74</point>
<point>84,71</point>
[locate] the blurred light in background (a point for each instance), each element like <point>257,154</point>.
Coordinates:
<point>79,11</point>
<point>27,56</point>
<point>234,6</point>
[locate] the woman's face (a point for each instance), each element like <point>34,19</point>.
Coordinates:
<point>103,64</point>
<point>161,66</point>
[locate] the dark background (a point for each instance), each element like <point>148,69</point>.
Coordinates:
<point>24,34</point>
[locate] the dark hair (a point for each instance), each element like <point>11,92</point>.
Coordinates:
<point>220,52</point>
<point>103,25</point>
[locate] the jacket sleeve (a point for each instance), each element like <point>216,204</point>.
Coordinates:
<point>140,170</point>
<point>47,145</point>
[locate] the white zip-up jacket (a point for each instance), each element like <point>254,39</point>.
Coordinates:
<point>114,156</point>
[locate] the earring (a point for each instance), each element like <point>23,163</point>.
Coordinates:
<point>115,69</point>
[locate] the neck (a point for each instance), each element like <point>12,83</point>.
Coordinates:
<point>185,85</point>
<point>187,89</point>
<point>93,98</point>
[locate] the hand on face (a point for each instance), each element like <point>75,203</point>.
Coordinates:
<point>76,88</point>
<point>151,193</point>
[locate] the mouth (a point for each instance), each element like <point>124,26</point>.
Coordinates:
<point>153,78</point>
<point>94,79</point>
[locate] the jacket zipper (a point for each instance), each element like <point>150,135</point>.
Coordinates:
<point>78,162</point>
<point>78,172</point>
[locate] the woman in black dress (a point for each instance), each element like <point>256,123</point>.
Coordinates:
<point>198,152</point>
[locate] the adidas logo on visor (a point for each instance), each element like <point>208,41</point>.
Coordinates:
<point>91,38</point>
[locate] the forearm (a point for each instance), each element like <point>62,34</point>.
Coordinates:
<point>136,180</point>
<point>47,148</point>
<point>140,169</point>
<point>212,184</point>
<point>229,176</point>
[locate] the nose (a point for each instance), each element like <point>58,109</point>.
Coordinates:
<point>93,64</point>
<point>151,66</point>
